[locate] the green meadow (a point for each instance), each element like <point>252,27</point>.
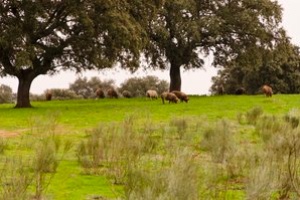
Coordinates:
<point>213,147</point>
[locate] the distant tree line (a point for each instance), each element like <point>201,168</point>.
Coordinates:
<point>84,88</point>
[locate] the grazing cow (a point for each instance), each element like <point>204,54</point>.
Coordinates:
<point>180,95</point>
<point>171,97</point>
<point>267,90</point>
<point>112,93</point>
<point>48,95</point>
<point>100,93</point>
<point>151,94</point>
<point>126,94</point>
<point>240,91</point>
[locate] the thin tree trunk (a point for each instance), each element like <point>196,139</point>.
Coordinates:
<point>23,100</point>
<point>175,78</point>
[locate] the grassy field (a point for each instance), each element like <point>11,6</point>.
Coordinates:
<point>183,124</point>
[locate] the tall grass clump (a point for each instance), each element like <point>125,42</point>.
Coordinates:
<point>113,148</point>
<point>219,141</point>
<point>179,179</point>
<point>268,126</point>
<point>293,117</point>
<point>280,161</point>
<point>46,124</point>
<point>227,161</point>
<point>253,115</point>
<point>181,125</point>
<point>3,145</point>
<point>15,178</point>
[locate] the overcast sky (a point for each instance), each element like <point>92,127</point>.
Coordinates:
<point>193,81</point>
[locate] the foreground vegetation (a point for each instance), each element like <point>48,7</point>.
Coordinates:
<point>219,147</point>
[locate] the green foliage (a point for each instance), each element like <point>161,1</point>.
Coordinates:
<point>278,67</point>
<point>139,86</point>
<point>183,32</point>
<point>180,180</point>
<point>101,34</point>
<point>6,94</point>
<point>114,149</point>
<point>253,115</point>
<point>16,179</point>
<point>181,125</point>
<point>63,94</point>
<point>87,88</point>
<point>219,141</point>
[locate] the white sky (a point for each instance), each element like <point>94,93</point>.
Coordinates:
<point>193,81</point>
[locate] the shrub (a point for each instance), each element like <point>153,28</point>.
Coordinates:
<point>139,86</point>
<point>293,117</point>
<point>253,115</point>
<point>219,141</point>
<point>15,179</point>
<point>6,94</point>
<point>178,180</point>
<point>37,97</point>
<point>63,94</point>
<point>181,125</point>
<point>276,170</point>
<point>87,88</point>
<point>113,148</point>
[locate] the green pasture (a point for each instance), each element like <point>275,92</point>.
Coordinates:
<point>79,115</point>
<point>73,119</point>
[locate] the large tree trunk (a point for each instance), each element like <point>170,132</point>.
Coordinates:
<point>25,80</point>
<point>175,78</point>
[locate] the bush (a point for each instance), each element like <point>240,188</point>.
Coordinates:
<point>139,86</point>
<point>253,115</point>
<point>87,88</point>
<point>113,148</point>
<point>62,94</point>
<point>276,169</point>
<point>6,94</point>
<point>179,180</point>
<point>219,141</point>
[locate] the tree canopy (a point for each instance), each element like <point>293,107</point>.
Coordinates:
<point>185,31</point>
<point>40,37</point>
<point>43,37</point>
<point>278,67</point>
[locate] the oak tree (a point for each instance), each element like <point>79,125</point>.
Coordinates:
<point>185,31</point>
<point>40,37</point>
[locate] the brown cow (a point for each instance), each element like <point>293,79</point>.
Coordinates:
<point>48,95</point>
<point>267,90</point>
<point>100,93</point>
<point>180,95</point>
<point>112,93</point>
<point>171,97</point>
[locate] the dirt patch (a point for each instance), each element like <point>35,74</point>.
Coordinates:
<point>8,134</point>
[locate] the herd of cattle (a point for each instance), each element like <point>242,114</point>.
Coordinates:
<point>172,97</point>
